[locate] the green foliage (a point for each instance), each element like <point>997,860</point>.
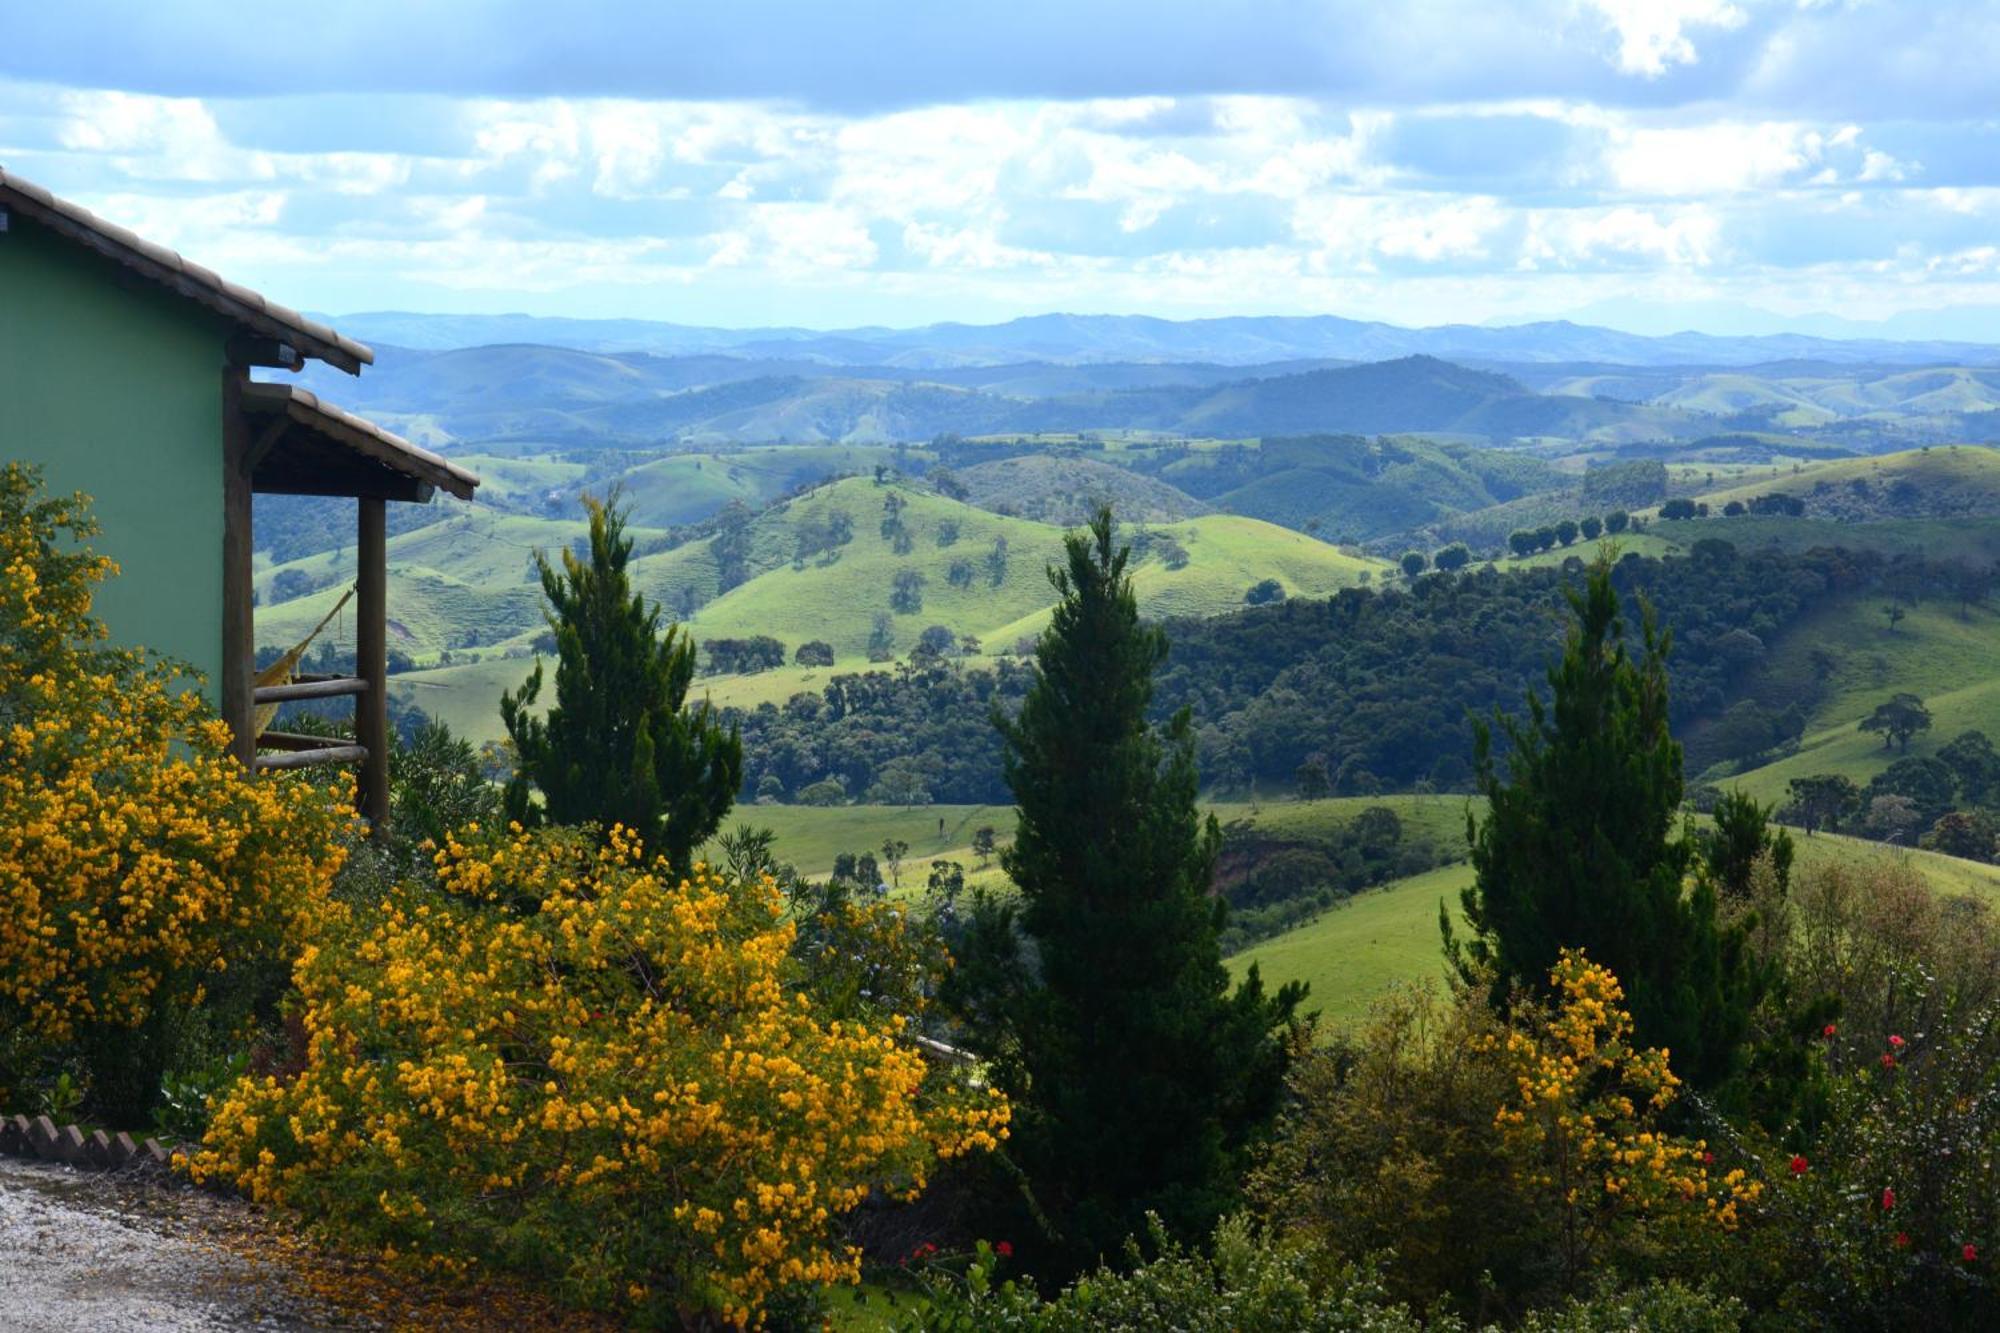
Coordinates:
<point>1822,801</point>
<point>1245,1281</point>
<point>1741,837</point>
<point>1140,1076</point>
<point>1897,719</point>
<point>1578,849</point>
<point>618,747</point>
<point>437,786</point>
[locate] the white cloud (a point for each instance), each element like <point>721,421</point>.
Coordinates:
<point>1726,157</point>
<point>1653,34</point>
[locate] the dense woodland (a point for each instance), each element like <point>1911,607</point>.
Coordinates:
<point>1374,685</point>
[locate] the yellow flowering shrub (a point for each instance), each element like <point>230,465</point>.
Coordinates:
<point>1584,1121</point>
<point>563,1061</point>
<point>139,862</point>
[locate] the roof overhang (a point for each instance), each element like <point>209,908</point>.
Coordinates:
<point>263,319</point>
<point>302,446</point>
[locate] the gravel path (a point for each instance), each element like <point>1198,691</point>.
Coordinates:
<point>96,1250</point>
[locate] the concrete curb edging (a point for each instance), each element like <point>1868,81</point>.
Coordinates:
<point>40,1137</point>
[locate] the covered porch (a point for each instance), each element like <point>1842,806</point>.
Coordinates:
<point>282,440</point>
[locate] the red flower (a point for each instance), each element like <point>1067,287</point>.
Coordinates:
<point>1902,1240</point>
<point>1708,1159</point>
<point>1888,1200</point>
<point>1005,1249</point>
<point>1970,1254</point>
<point>1888,1060</point>
<point>1896,1041</point>
<point>1828,1031</point>
<point>1799,1165</point>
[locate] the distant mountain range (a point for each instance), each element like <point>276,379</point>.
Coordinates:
<point>1063,339</point>
<point>568,397</point>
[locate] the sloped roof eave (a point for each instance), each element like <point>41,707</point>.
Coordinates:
<point>156,262</point>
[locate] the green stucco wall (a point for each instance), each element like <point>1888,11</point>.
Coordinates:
<point>115,389</point>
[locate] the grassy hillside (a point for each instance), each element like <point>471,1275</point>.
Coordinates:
<point>1386,936</point>
<point>837,601</point>
<point>1066,491</point>
<point>1945,481</point>
<point>1939,652</point>
<point>466,585</point>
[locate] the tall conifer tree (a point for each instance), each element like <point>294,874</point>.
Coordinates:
<point>1139,1075</point>
<point>618,745</point>
<point>1579,849</point>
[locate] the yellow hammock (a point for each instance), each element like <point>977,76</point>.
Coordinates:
<point>280,671</point>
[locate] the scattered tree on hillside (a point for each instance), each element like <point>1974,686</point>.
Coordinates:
<point>1578,849</point>
<point>1821,801</point>
<point>760,652</point>
<point>906,592</point>
<point>1902,717</point>
<point>996,562</point>
<point>893,852</point>
<point>1971,836</point>
<point>618,745</point>
<point>1976,766</point>
<point>1678,509</point>
<point>1895,615</point>
<point>1592,527</point>
<point>1892,818</point>
<point>935,641</point>
<point>960,574</point>
<point>1545,537</point>
<point>1139,1074</point>
<point>984,842</point>
<point>1312,780</point>
<point>1521,541</point>
<point>881,638</point>
<point>814,652</point>
<point>1566,531</point>
<point>1453,557</point>
<point>1928,783</point>
<point>1414,563</point>
<point>1264,592</point>
<point>1616,521</point>
<point>947,530</point>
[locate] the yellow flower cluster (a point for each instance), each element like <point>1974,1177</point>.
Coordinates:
<point>568,1060</point>
<point>137,858</point>
<point>1586,1109</point>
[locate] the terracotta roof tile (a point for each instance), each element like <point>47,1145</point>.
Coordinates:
<point>344,427</point>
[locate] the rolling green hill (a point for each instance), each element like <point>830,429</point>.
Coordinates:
<point>1945,481</point>
<point>1065,491</point>
<point>466,585</point>
<point>1386,936</point>
<point>1942,653</point>
<point>837,601</point>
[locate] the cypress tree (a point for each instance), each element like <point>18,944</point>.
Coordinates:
<point>1579,849</point>
<point>1139,1076</point>
<point>618,745</point>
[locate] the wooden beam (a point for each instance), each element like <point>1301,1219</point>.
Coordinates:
<point>332,754</point>
<point>249,350</point>
<point>371,662</point>
<point>239,634</point>
<point>332,688</point>
<point>260,448</point>
<point>389,487</point>
<point>295,740</point>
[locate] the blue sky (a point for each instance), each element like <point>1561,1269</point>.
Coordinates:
<point>1731,164</point>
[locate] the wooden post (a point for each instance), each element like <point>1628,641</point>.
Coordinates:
<point>371,663</point>
<point>239,634</point>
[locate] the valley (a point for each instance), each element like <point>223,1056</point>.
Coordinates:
<point>896,513</point>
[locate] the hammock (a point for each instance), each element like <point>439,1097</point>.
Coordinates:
<point>280,671</point>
